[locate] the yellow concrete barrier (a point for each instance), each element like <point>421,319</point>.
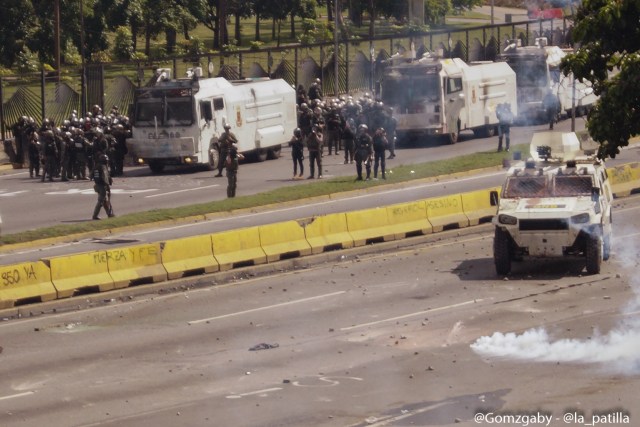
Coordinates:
<point>238,248</point>
<point>188,256</point>
<point>369,225</point>
<point>624,179</point>
<point>83,272</point>
<point>407,219</point>
<point>446,213</point>
<point>134,265</point>
<point>25,282</point>
<point>327,232</point>
<point>477,206</point>
<point>283,240</point>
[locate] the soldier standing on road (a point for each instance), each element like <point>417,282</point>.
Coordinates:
<point>348,136</point>
<point>315,91</point>
<point>49,155</point>
<point>297,153</point>
<point>551,108</point>
<point>364,150</point>
<point>102,185</point>
<point>232,164</point>
<point>314,145</point>
<point>34,155</point>
<point>505,119</point>
<point>379,148</point>
<point>224,144</point>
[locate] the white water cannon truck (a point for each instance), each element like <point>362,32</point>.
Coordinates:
<point>538,72</point>
<point>179,121</point>
<point>444,96</point>
<point>556,204</point>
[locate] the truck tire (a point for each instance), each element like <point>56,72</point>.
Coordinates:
<point>261,155</point>
<point>593,254</point>
<point>274,152</point>
<point>156,167</point>
<point>214,159</point>
<point>606,248</point>
<point>454,134</point>
<point>502,252</point>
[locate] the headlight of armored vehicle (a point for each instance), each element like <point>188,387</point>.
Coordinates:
<point>507,219</point>
<point>582,218</point>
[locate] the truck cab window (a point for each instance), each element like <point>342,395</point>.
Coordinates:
<point>206,111</point>
<point>454,85</point>
<point>218,104</point>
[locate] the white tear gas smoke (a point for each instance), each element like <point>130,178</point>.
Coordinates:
<point>619,349</point>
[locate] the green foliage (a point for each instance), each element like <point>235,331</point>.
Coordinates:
<point>256,45</point>
<point>101,56</point>
<point>5,72</point>
<point>70,54</point>
<point>27,61</point>
<point>436,10</point>
<point>123,44</point>
<point>609,57</point>
<point>314,31</point>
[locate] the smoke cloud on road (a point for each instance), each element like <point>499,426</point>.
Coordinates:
<point>618,350</point>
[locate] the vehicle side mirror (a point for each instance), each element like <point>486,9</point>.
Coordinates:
<point>494,198</point>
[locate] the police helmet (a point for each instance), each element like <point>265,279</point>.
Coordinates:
<point>103,158</point>
<point>297,132</point>
<point>227,126</point>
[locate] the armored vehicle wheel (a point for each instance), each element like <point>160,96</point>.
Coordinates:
<point>261,155</point>
<point>606,248</point>
<point>214,158</point>
<point>453,136</point>
<point>502,252</point>
<point>274,152</point>
<point>593,255</point>
<point>156,167</point>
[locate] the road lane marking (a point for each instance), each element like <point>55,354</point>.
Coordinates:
<point>13,396</point>
<point>251,393</point>
<point>404,316</point>
<point>181,191</point>
<point>268,307</point>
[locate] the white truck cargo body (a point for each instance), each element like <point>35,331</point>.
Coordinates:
<point>443,96</point>
<point>178,122</point>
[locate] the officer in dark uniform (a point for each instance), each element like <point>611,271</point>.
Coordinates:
<point>224,144</point>
<point>102,185</point>
<point>49,154</point>
<point>297,152</point>
<point>380,145</point>
<point>314,145</point>
<point>315,91</point>
<point>364,150</point>
<point>232,164</point>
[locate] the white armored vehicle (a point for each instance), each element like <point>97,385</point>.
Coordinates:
<point>556,204</point>
<point>179,121</point>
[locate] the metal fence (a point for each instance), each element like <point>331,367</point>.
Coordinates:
<point>360,66</point>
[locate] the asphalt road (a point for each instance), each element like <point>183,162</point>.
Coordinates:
<point>27,204</point>
<point>353,338</point>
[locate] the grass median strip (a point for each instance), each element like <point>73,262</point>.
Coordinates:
<point>398,174</point>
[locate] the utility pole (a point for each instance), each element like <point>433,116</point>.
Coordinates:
<point>336,55</point>
<point>83,77</point>
<point>56,31</point>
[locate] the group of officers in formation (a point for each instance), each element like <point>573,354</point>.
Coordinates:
<point>363,128</point>
<point>89,148</point>
<point>71,149</point>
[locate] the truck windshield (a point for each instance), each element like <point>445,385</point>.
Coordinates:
<point>540,186</point>
<point>164,111</point>
<point>572,185</point>
<point>530,72</point>
<point>405,92</point>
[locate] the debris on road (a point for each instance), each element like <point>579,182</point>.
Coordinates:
<point>264,346</point>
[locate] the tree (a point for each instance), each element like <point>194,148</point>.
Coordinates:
<point>609,56</point>
<point>15,29</point>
